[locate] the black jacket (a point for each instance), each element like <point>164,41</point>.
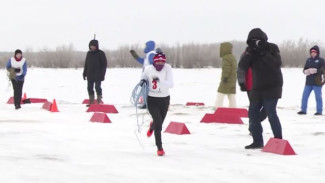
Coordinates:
<point>317,63</point>
<point>95,64</point>
<point>266,68</point>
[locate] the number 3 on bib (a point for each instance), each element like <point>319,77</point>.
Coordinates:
<point>154,84</point>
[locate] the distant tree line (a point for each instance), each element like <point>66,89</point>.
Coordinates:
<point>191,55</point>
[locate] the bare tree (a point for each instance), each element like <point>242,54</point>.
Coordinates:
<point>191,55</point>
<point>294,54</point>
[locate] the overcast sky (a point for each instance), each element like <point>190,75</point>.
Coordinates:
<point>38,24</point>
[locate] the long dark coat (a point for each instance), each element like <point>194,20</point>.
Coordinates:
<point>95,64</point>
<point>266,68</point>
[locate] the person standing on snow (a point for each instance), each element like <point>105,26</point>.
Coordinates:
<point>265,60</point>
<point>159,77</point>
<point>245,81</point>
<point>227,86</point>
<point>94,71</point>
<point>150,52</point>
<point>313,69</point>
<point>17,67</point>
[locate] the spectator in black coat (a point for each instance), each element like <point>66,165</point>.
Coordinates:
<point>245,81</point>
<point>264,59</point>
<point>94,71</point>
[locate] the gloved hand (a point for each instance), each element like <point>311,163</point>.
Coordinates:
<point>307,72</point>
<point>143,81</point>
<point>85,77</point>
<point>258,45</point>
<point>310,71</point>
<point>242,87</point>
<point>155,78</point>
<point>158,50</point>
<point>134,54</point>
<point>17,70</point>
<point>248,51</point>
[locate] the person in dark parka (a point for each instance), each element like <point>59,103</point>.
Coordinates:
<point>245,81</point>
<point>95,70</point>
<point>313,68</point>
<point>265,60</point>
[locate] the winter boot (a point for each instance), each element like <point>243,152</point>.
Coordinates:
<point>91,100</point>
<point>301,112</point>
<point>99,99</point>
<point>258,142</point>
<point>255,145</point>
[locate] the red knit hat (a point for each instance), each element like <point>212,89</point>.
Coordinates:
<point>159,61</point>
<point>313,50</point>
<point>159,57</point>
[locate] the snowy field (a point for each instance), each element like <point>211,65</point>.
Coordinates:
<point>65,147</point>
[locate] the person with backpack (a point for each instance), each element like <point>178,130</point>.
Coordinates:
<point>94,71</point>
<point>17,68</point>
<point>313,69</point>
<point>265,61</point>
<point>159,77</point>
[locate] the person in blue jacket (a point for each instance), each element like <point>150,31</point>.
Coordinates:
<point>17,67</point>
<point>149,51</point>
<point>313,69</point>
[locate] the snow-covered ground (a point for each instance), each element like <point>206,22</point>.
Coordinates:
<point>65,147</point>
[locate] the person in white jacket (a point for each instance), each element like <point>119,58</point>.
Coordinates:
<point>159,77</point>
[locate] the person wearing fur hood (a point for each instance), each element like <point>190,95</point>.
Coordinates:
<point>265,61</point>
<point>227,86</point>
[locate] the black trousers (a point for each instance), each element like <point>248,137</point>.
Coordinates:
<point>263,114</point>
<point>158,107</point>
<point>254,118</point>
<point>18,90</point>
<point>98,88</point>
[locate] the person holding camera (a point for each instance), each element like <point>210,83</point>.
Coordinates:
<point>265,61</point>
